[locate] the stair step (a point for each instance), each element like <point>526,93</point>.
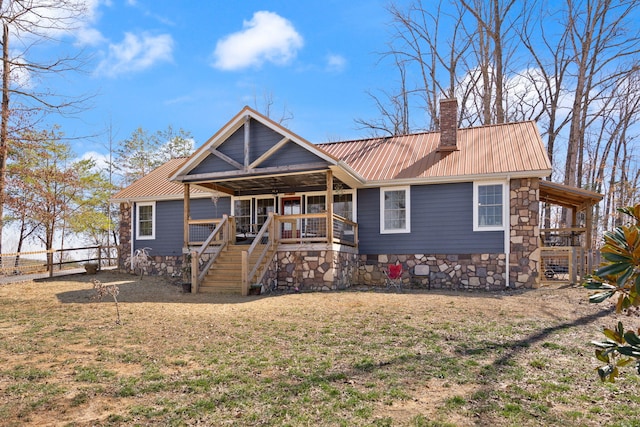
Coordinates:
<point>225,275</point>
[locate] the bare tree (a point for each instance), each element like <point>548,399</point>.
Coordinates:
<point>599,37</point>
<point>266,106</point>
<point>26,23</point>
<point>494,35</point>
<point>393,110</point>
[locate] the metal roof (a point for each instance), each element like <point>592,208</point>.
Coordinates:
<point>156,185</point>
<point>513,148</point>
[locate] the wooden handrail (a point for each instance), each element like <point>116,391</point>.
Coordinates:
<point>204,221</point>
<point>247,275</point>
<point>565,230</point>
<point>198,276</point>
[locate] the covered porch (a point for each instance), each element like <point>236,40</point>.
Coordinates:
<point>279,212</point>
<point>567,252</point>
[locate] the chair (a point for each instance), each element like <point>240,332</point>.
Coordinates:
<point>394,276</point>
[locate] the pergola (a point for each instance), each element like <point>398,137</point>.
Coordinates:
<point>577,200</point>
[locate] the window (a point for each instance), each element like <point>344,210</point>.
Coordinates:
<point>242,213</point>
<point>263,207</point>
<point>395,210</point>
<point>343,205</point>
<point>146,216</point>
<point>488,201</point>
<point>315,204</point>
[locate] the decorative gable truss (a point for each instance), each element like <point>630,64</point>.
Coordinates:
<point>250,147</point>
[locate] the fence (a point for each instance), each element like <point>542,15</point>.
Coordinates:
<point>56,260</point>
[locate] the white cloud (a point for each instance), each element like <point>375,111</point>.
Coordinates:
<point>87,36</point>
<point>267,37</point>
<point>101,160</point>
<point>136,53</point>
<point>336,63</point>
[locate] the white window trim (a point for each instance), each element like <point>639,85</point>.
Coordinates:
<point>505,206</point>
<point>407,229</point>
<point>153,221</point>
<point>255,202</point>
<point>251,200</point>
<point>354,203</point>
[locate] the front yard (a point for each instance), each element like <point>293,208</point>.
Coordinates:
<point>346,358</point>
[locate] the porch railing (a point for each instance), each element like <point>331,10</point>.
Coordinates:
<point>345,231</point>
<point>214,244</point>
<point>570,236</point>
<point>254,257</point>
<point>213,235</point>
<point>314,228</point>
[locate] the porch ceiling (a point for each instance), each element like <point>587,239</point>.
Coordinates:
<point>271,184</point>
<point>567,196</point>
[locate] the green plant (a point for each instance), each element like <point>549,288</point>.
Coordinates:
<point>619,275</point>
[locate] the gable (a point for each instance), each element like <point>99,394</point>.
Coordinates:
<point>251,145</point>
<point>261,140</point>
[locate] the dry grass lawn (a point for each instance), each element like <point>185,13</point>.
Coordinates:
<point>346,358</point>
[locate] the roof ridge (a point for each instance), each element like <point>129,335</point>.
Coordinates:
<point>373,138</point>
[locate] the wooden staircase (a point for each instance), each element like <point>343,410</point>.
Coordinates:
<point>225,275</point>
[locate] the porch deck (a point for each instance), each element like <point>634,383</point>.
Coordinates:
<point>214,236</point>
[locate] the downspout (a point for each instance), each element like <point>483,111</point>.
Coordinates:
<point>507,232</point>
<point>131,234</point>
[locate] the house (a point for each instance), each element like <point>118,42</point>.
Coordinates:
<point>257,203</point>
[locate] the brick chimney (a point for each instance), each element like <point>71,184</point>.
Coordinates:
<point>448,124</point>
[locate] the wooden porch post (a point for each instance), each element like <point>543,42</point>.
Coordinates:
<point>187,214</point>
<point>330,206</point>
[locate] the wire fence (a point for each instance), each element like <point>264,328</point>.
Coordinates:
<point>56,260</point>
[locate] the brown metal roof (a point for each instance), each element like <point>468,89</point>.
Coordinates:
<point>514,148</point>
<point>156,185</point>
<point>486,150</point>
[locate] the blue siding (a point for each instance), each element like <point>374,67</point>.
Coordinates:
<point>234,146</point>
<point>291,154</point>
<point>212,163</point>
<point>169,223</point>
<point>262,139</point>
<point>441,223</point>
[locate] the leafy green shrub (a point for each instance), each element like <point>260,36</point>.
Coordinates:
<point>619,275</point>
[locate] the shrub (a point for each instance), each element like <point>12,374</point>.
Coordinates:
<point>619,275</point>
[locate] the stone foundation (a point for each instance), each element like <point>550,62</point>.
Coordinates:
<point>470,272</point>
<point>317,270</point>
<point>170,266</point>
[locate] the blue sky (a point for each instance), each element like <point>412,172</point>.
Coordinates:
<point>194,65</point>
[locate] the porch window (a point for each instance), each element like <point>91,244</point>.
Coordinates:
<point>263,207</point>
<point>242,213</point>
<point>146,219</point>
<point>488,204</point>
<point>343,205</point>
<point>316,204</point>
<point>395,210</point>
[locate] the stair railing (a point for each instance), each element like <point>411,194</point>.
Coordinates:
<point>253,258</point>
<point>219,238</point>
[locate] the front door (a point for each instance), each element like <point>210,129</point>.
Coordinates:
<point>291,206</point>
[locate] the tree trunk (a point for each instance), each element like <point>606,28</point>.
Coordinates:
<point>4,124</point>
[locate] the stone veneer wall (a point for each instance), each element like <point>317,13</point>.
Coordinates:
<point>318,270</point>
<point>472,272</point>
<point>525,233</point>
<point>124,248</point>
